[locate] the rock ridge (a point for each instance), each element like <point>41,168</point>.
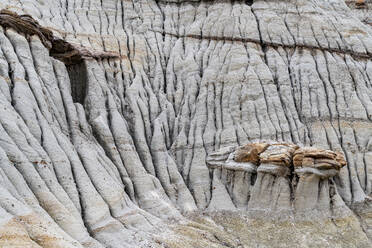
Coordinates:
<point>60,49</point>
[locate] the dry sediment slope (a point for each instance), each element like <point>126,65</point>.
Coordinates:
<point>122,118</point>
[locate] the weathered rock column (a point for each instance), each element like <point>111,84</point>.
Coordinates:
<point>235,169</point>
<point>217,162</point>
<point>315,168</point>
<point>272,189</point>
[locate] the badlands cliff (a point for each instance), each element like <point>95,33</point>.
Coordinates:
<point>185,123</point>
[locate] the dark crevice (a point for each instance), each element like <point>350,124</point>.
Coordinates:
<point>263,42</point>
<point>78,78</point>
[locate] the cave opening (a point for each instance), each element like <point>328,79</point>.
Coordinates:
<point>78,79</point>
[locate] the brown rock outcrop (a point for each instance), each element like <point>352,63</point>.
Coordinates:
<point>278,154</point>
<point>272,189</point>
<point>275,188</point>
<point>315,188</point>
<point>324,163</point>
<point>59,49</point>
<point>250,152</point>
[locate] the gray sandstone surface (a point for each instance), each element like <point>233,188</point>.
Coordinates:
<point>134,123</point>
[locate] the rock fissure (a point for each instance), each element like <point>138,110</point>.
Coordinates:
<point>265,43</point>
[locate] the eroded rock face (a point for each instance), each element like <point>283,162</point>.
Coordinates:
<point>290,179</point>
<point>272,190</point>
<point>315,189</point>
<point>68,53</point>
<point>122,118</point>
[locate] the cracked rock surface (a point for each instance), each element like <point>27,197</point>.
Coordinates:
<point>185,123</point>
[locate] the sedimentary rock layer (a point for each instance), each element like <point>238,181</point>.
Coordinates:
<point>110,111</point>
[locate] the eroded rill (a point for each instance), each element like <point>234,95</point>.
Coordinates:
<point>120,118</point>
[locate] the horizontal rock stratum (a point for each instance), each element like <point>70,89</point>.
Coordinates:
<point>290,179</point>
<point>174,123</point>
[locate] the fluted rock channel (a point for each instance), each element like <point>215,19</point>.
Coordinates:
<point>185,123</point>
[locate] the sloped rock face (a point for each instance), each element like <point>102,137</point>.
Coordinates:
<point>220,123</point>
<point>362,10</point>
